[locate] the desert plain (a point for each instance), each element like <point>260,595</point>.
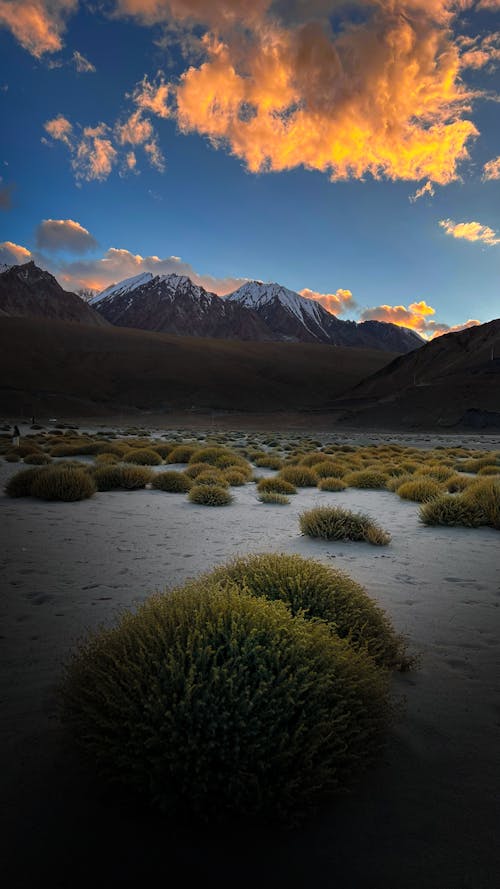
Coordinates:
<point>426,815</point>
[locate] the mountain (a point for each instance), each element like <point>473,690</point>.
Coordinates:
<point>113,370</point>
<point>173,304</point>
<point>453,380</point>
<point>256,311</point>
<point>27,291</point>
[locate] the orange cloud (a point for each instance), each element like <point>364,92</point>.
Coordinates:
<point>94,156</point>
<point>480,51</point>
<point>491,169</point>
<point>428,188</point>
<point>13,254</point>
<point>64,234</point>
<point>153,96</point>
<point>416,317</point>
<point>37,24</point>
<point>59,128</point>
<point>470,231</point>
<point>135,130</point>
<point>336,303</point>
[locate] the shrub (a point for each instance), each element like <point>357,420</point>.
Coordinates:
<point>273,497</point>
<point>21,483</point>
<point>213,704</point>
<point>332,484</point>
<point>113,477</point>
<point>420,489</point>
<point>212,477</point>
<point>313,459</point>
<point>301,476</point>
<point>164,449</point>
<point>270,461</point>
<point>175,482</point>
<point>319,592</point>
<point>395,482</point>
<point>219,457</point>
<point>489,470</point>
<point>451,509</point>
<point>485,496</point>
<point>106,459</point>
<point>438,473</point>
<point>329,469</point>
<point>144,457</point>
<point>63,483</point>
<point>12,457</point>
<point>275,485</point>
<point>335,523</point>
<point>181,454</point>
<point>457,483</point>
<point>366,478</point>
<point>210,495</point>
<point>37,459</point>
<point>235,477</point>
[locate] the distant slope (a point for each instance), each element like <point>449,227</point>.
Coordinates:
<point>454,379</point>
<point>59,367</point>
<point>27,291</point>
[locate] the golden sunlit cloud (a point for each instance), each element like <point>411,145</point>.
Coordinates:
<point>491,169</point>
<point>64,234</point>
<point>336,303</point>
<point>416,317</point>
<point>13,254</point>
<point>479,52</point>
<point>428,188</point>
<point>60,129</point>
<point>37,24</point>
<point>94,155</point>
<point>470,231</point>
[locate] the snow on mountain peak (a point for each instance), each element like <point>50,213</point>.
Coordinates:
<point>255,294</point>
<point>123,287</point>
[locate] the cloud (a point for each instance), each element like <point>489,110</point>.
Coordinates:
<point>82,65</point>
<point>479,52</point>
<point>135,130</point>
<point>94,155</point>
<point>5,195</point>
<point>153,96</point>
<point>117,264</point>
<point>38,25</point>
<point>336,303</point>
<point>60,129</point>
<point>470,231</point>
<point>417,316</point>
<point>491,169</point>
<point>13,254</point>
<point>64,234</point>
<point>428,188</point>
<point>381,96</point>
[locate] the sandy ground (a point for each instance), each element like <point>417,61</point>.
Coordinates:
<point>426,816</point>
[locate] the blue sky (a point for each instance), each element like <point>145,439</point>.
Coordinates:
<point>159,155</point>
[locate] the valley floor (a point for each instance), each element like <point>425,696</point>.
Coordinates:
<point>426,816</point>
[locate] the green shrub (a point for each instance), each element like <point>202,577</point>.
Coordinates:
<point>275,485</point>
<point>420,489</point>
<point>63,483</point>
<point>108,478</point>
<point>181,454</point>
<point>273,497</point>
<point>210,495</point>
<point>332,484</point>
<point>164,449</point>
<point>175,482</point>
<point>335,523</point>
<point>213,704</point>
<point>144,457</point>
<point>37,460</point>
<point>301,476</point>
<point>219,457</point>
<point>312,459</point>
<point>438,473</point>
<point>319,592</point>
<point>451,509</point>
<point>366,478</point>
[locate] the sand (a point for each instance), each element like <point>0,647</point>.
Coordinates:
<point>426,815</point>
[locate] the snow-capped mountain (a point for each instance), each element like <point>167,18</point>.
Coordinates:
<point>174,304</point>
<point>26,290</point>
<point>296,318</point>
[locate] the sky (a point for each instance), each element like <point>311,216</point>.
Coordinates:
<point>347,150</point>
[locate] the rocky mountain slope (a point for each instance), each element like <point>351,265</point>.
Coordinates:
<point>27,291</point>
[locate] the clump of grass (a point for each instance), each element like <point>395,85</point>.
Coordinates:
<point>395,482</point>
<point>300,476</point>
<point>144,457</point>
<point>484,494</point>
<point>235,477</point>
<point>489,470</point>
<point>212,477</point>
<point>329,469</point>
<point>317,591</point>
<point>218,457</point>
<point>335,523</point>
<point>332,484</point>
<point>63,483</point>
<point>106,459</point>
<point>174,482</point>
<point>37,459</point>
<point>273,497</point>
<point>458,483</point>
<point>210,495</point>
<point>451,509</point>
<point>420,489</point>
<point>269,461</point>
<point>11,457</point>
<point>181,453</point>
<point>213,703</point>
<point>366,478</point>
<point>129,478</point>
<point>275,485</point>
<point>21,483</point>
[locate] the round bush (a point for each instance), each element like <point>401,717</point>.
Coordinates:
<point>234,477</point>
<point>269,461</point>
<point>329,469</point>
<point>108,478</point>
<point>21,483</point>
<point>276,485</point>
<point>335,523</point>
<point>181,454</point>
<point>332,484</point>
<point>318,591</point>
<point>420,489</point>
<point>144,457</point>
<point>132,478</point>
<point>366,478</point>
<point>174,482</point>
<point>210,495</point>
<point>37,459</point>
<point>213,703</point>
<point>451,509</point>
<point>273,497</point>
<point>218,457</point>
<point>212,477</point>
<point>12,458</point>
<point>301,476</point>
<point>63,483</point>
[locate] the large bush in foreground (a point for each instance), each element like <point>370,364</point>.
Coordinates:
<point>319,591</point>
<point>214,703</point>
<point>63,483</point>
<point>335,523</point>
